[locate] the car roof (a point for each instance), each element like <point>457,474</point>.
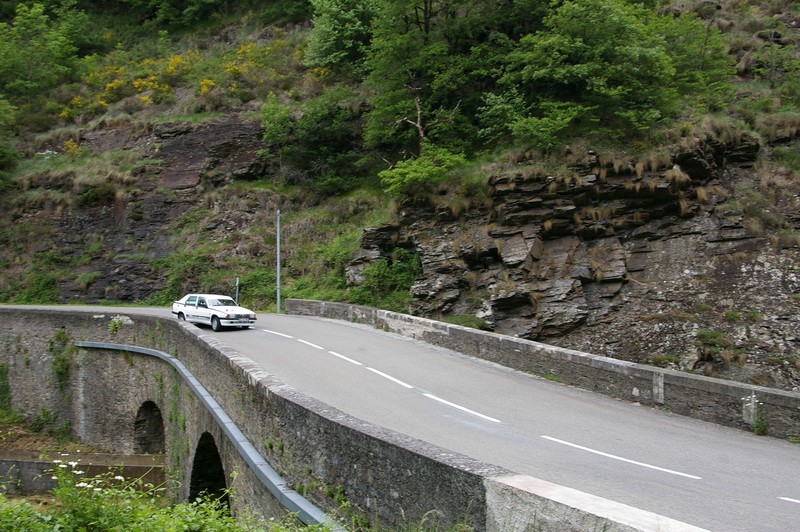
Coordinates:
<point>209,295</point>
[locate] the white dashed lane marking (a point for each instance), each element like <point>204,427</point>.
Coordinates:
<point>388,377</point>
<point>463,409</point>
<point>315,346</point>
<point>356,362</point>
<point>621,459</point>
<point>277,333</point>
<point>384,375</point>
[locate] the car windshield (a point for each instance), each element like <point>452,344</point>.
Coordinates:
<point>223,302</point>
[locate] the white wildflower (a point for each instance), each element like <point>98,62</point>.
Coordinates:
<point>119,477</point>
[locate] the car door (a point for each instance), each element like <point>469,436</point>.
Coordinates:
<point>203,312</point>
<point>189,308</point>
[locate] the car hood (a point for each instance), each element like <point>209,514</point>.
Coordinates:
<point>233,310</point>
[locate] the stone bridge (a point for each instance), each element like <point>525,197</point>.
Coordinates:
<point>133,382</point>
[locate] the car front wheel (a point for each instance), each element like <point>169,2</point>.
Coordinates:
<point>215,324</point>
<point>181,316</point>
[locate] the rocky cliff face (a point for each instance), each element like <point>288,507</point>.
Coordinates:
<point>689,260</point>
<point>112,238</point>
<point>649,262</point>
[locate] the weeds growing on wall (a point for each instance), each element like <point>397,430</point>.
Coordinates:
<point>61,350</point>
<point>7,413</point>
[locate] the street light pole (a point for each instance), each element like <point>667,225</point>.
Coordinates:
<point>278,262</point>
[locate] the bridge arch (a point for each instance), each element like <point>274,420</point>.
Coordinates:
<point>149,430</point>
<point>208,476</point>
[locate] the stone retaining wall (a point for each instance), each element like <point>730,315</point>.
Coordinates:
<point>719,401</point>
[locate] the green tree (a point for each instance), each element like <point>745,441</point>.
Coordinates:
<point>318,140</point>
<point>703,68</point>
<point>277,120</point>
<point>7,113</point>
<point>36,51</point>
<point>177,12</point>
<point>341,33</point>
<point>598,65</point>
<point>430,63</point>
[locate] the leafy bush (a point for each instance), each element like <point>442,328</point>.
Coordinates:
<point>112,502</point>
<point>43,420</point>
<point>40,286</point>
<point>387,282</point>
<point>258,288</point>
<point>421,174</point>
<point>97,195</point>
<point>186,272</point>
<point>318,140</point>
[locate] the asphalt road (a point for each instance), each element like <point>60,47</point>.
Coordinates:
<point>699,473</point>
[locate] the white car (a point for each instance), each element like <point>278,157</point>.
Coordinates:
<point>214,310</point>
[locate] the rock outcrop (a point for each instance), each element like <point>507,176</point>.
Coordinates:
<point>114,239</point>
<point>649,263</point>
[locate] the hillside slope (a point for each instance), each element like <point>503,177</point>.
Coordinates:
<point>160,166</point>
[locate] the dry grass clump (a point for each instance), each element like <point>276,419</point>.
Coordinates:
<point>676,176</point>
<point>781,125</point>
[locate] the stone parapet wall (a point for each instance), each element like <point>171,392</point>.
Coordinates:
<point>719,401</point>
<point>388,476</point>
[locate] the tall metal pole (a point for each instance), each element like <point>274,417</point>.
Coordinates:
<point>278,265</point>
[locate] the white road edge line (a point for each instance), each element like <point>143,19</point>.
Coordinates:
<point>277,333</point>
<point>315,346</point>
<point>467,410</point>
<point>356,362</point>
<point>382,374</point>
<point>787,499</point>
<point>622,459</point>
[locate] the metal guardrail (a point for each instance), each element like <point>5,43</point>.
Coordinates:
<point>289,498</point>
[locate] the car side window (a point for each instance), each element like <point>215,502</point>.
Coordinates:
<point>191,301</point>
<point>201,302</point>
